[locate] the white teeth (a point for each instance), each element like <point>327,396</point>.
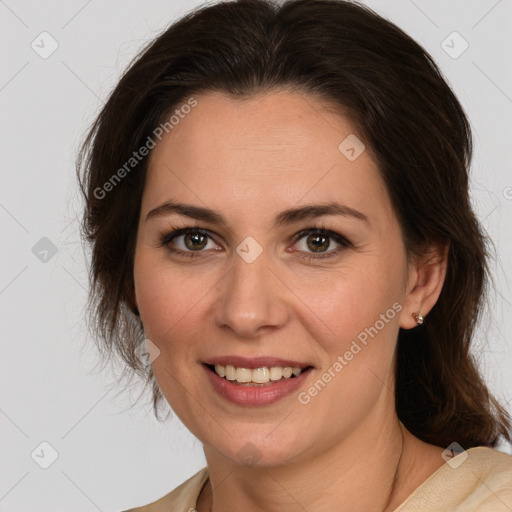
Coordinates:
<point>230,372</point>
<point>220,370</point>
<point>257,375</point>
<point>243,375</point>
<point>276,373</point>
<point>260,375</point>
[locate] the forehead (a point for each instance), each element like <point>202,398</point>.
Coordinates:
<point>261,153</point>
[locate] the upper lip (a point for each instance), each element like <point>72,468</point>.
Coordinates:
<point>255,362</point>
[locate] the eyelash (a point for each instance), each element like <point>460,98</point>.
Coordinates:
<point>315,230</point>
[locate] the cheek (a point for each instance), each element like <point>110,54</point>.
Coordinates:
<point>350,301</point>
<point>169,299</point>
<point>170,302</point>
<point>359,314</point>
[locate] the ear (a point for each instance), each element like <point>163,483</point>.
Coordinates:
<point>426,277</point>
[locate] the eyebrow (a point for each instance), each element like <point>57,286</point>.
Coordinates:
<point>285,217</point>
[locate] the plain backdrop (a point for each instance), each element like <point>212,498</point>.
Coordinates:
<point>109,456</point>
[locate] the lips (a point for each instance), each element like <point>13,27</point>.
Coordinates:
<point>272,378</point>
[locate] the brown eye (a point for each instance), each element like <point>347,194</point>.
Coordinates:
<point>188,241</point>
<point>195,240</point>
<point>319,240</point>
<point>318,243</point>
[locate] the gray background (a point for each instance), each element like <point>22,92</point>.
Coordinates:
<point>112,457</point>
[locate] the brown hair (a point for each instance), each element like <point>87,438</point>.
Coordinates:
<point>406,114</point>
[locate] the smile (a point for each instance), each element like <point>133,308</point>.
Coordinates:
<point>260,375</point>
<point>255,382</point>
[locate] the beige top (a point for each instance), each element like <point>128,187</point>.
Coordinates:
<point>477,480</point>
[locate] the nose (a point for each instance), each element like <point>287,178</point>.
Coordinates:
<point>252,298</point>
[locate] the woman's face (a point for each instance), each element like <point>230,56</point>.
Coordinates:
<point>250,290</point>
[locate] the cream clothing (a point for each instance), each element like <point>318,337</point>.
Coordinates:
<point>481,483</point>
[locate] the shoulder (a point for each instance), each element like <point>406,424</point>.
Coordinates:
<point>476,480</point>
<point>492,476</point>
<point>490,462</point>
<point>183,498</point>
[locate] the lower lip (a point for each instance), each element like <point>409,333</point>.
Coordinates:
<point>258,394</point>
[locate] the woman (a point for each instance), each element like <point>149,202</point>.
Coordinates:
<point>277,202</point>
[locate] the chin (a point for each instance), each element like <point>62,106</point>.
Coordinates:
<point>260,449</point>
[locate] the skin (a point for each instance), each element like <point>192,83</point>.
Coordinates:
<point>249,160</point>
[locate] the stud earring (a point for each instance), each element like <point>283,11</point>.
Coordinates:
<point>419,319</point>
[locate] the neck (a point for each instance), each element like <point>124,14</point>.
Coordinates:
<point>362,472</point>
